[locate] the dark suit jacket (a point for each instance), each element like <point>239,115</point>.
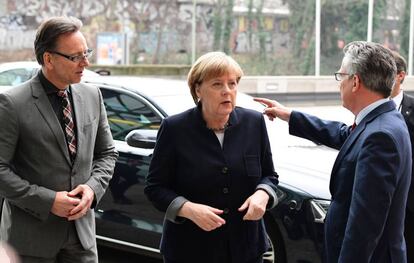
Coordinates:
<point>188,161</point>
<point>407,110</point>
<point>35,163</point>
<point>369,184</point>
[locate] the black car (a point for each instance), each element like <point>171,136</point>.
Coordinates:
<point>127,220</point>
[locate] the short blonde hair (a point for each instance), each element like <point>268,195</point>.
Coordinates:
<point>210,65</point>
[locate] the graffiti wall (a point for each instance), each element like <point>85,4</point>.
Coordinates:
<point>157,31</point>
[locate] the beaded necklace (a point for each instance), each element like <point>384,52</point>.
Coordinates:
<point>222,129</point>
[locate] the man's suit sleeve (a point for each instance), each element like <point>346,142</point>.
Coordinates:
<point>329,133</point>
<point>34,199</point>
<point>104,154</point>
<point>378,165</point>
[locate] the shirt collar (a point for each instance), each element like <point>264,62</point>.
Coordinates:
<point>398,99</point>
<point>47,85</point>
<point>365,111</point>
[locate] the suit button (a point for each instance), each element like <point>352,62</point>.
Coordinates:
<point>224,170</point>
<point>225,190</point>
<point>226,211</point>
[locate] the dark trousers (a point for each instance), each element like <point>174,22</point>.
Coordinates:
<point>409,235</point>
<point>223,257</point>
<point>71,252</point>
<point>259,260</point>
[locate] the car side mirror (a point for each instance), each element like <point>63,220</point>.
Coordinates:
<point>142,138</point>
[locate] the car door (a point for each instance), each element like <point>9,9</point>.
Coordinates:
<point>124,214</point>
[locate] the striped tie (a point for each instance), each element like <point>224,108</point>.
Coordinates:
<point>69,124</point>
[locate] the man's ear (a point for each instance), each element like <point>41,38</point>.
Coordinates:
<point>401,76</point>
<point>356,83</point>
<point>47,59</point>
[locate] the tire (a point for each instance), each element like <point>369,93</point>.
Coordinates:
<point>276,252</point>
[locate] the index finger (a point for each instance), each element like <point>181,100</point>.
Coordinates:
<point>266,102</point>
<point>73,200</point>
<point>76,192</point>
<point>249,214</point>
<point>218,219</point>
<point>82,204</point>
<point>77,215</point>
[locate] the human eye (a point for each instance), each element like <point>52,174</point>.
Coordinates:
<point>232,84</point>
<point>76,58</point>
<point>217,85</point>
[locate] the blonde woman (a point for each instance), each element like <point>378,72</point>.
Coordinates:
<point>212,172</point>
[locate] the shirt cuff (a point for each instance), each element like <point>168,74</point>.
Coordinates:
<point>172,210</point>
<point>272,195</point>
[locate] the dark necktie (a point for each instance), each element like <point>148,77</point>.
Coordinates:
<point>353,126</point>
<point>69,124</point>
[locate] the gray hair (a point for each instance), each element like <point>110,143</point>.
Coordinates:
<point>49,32</point>
<point>373,63</point>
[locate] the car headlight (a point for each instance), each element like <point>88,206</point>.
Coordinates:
<point>319,209</point>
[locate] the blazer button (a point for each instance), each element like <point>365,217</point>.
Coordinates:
<point>226,211</point>
<point>225,190</point>
<point>224,170</point>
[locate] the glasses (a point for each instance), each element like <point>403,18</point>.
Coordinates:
<point>78,58</point>
<point>341,76</point>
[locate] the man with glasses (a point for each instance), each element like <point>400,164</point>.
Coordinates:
<point>372,173</point>
<point>56,152</point>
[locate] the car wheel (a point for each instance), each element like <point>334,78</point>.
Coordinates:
<point>276,252</point>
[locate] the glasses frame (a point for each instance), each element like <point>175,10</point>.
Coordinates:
<point>77,58</point>
<point>338,76</point>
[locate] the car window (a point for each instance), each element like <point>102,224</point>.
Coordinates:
<point>126,113</point>
<point>15,76</point>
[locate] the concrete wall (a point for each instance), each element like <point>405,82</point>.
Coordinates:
<point>300,89</point>
<point>176,71</point>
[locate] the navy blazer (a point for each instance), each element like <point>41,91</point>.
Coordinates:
<point>407,110</point>
<point>369,184</point>
<point>189,161</point>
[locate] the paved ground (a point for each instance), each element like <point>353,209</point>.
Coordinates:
<point>108,255</point>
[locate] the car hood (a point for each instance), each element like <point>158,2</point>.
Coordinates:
<point>306,172</point>
<point>301,164</point>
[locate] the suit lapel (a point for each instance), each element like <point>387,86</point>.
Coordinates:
<point>346,147</point>
<point>42,103</point>
<point>79,115</point>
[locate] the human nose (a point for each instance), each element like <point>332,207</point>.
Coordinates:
<point>226,88</point>
<point>85,61</point>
